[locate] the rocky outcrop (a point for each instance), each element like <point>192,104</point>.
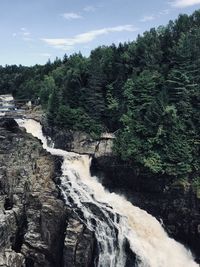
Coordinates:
<point>79,142</point>
<point>82,143</point>
<point>36,113</point>
<point>35,224</point>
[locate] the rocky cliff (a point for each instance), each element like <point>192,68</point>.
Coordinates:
<point>175,203</point>
<point>36,228</point>
<point>79,142</point>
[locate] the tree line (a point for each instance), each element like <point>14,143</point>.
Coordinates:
<point>147,91</point>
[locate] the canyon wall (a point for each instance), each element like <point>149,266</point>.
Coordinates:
<point>37,229</point>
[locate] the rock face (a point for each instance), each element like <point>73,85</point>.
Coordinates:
<point>79,249</point>
<point>80,142</point>
<point>35,225</point>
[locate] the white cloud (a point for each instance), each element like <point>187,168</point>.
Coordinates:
<point>147,18</point>
<point>70,16</point>
<point>14,34</point>
<point>184,3</point>
<point>83,38</point>
<point>89,9</point>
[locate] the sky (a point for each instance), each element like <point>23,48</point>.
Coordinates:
<point>33,31</point>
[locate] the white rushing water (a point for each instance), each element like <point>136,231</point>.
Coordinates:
<point>6,103</point>
<point>112,217</point>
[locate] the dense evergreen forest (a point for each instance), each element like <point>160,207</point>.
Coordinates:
<point>146,91</point>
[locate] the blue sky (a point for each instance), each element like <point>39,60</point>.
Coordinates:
<point>34,30</point>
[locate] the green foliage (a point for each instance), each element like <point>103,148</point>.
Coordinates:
<point>182,182</point>
<point>147,91</point>
<point>46,89</point>
<point>196,186</point>
<point>77,120</point>
<point>154,163</point>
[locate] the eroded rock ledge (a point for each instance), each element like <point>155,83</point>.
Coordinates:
<point>79,142</point>
<point>36,228</point>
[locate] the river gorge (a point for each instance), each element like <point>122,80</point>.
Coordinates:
<point>110,231</point>
<point>116,219</point>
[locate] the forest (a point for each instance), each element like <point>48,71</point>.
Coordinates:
<point>147,92</point>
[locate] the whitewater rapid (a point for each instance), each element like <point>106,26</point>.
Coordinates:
<point>113,219</point>
<point>6,102</point>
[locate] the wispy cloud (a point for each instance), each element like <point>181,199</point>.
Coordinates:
<point>45,55</point>
<point>25,32</point>
<point>83,38</point>
<point>71,16</point>
<point>147,18</point>
<point>164,12</point>
<point>89,9</point>
<point>184,3</point>
<point>26,35</point>
<point>155,16</point>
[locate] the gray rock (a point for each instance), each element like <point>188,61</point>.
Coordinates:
<point>80,142</point>
<point>78,245</point>
<point>33,219</point>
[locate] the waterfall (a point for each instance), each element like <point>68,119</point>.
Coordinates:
<point>6,104</point>
<point>113,218</point>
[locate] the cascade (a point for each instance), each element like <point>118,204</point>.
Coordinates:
<point>6,104</point>
<point>114,219</point>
